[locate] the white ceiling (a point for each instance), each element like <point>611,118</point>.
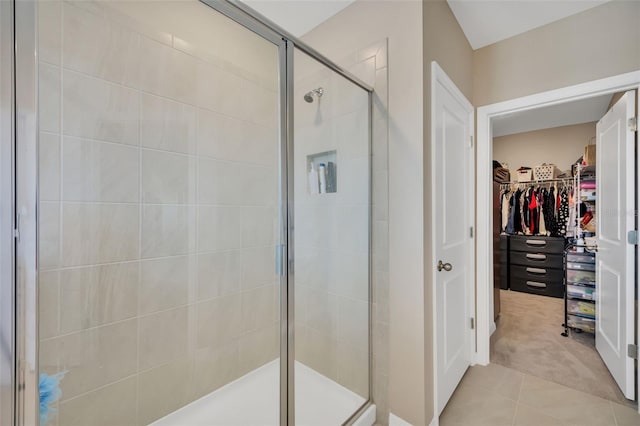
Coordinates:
<point>578,112</point>
<point>298,16</point>
<point>485,22</point>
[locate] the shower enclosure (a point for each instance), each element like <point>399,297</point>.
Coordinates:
<point>192,214</point>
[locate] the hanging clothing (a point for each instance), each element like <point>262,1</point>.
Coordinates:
<point>533,211</point>
<point>517,212</point>
<point>549,213</point>
<point>563,213</point>
<point>505,200</point>
<point>542,227</point>
<point>537,210</point>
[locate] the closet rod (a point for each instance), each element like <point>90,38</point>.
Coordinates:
<point>566,181</point>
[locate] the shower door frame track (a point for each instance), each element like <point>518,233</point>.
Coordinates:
<point>23,189</point>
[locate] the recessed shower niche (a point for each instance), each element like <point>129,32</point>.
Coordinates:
<point>322,173</point>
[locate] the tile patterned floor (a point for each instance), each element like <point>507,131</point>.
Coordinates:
<point>499,396</point>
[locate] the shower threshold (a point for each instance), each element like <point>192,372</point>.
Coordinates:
<point>253,399</point>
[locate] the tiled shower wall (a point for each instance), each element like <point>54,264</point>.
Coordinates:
<point>158,196</point>
<point>332,230</point>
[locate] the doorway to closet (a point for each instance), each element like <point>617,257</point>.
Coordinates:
<point>549,233</point>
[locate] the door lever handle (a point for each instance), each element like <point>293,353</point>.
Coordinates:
<point>446,266</point>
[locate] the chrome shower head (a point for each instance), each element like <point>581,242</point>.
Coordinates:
<point>308,97</point>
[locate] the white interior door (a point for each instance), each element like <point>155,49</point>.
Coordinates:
<point>452,171</point>
<point>615,183</point>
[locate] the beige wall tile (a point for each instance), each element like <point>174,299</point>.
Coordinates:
<point>219,182</point>
<point>352,227</point>
<point>98,295</point>
<point>258,347</point>
<point>219,228</point>
<point>259,185</point>
<point>312,266</point>
<point>220,90</point>
<point>349,275</point>
<point>49,31</point>
<point>164,283</point>
<point>219,274</point>
<point>99,233</point>
<point>353,322</point>
<point>260,105</point>
<point>220,136</point>
<point>167,125</point>
<point>322,312</point>
<point>49,98</point>
<point>97,46</point>
<point>215,367</point>
<point>48,306</point>
<point>258,267</point>
<point>167,72</point>
<point>353,368</point>
<point>49,235</point>
<point>218,321</point>
<point>112,405</point>
<point>165,230</point>
<point>321,353</point>
<point>48,359</point>
<point>99,171</point>
<point>96,109</point>
<point>97,357</point>
<point>163,337</point>
<point>258,307</point>
<point>259,226</point>
<point>168,178</point>
<point>261,144</point>
<point>49,166</point>
<point>163,390</point>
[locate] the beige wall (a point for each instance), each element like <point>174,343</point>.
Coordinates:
<point>597,43</point>
<point>561,146</point>
<point>445,43</point>
<point>355,28</point>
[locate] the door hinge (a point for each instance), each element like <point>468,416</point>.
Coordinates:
<point>473,324</point>
<point>633,124</point>
<point>471,141</point>
<point>632,237</point>
<point>471,232</point>
<point>632,351</point>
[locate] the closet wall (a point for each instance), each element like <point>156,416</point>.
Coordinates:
<point>561,146</point>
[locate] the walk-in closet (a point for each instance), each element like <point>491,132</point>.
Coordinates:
<point>548,183</point>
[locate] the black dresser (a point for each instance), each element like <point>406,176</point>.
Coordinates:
<point>536,265</point>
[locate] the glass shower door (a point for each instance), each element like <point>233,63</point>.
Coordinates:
<point>160,176</point>
<point>332,244</point>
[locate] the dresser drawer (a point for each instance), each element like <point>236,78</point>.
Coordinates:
<point>536,244</point>
<point>542,287</point>
<point>536,273</point>
<point>536,260</point>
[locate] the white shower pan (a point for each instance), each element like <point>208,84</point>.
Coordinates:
<point>253,399</point>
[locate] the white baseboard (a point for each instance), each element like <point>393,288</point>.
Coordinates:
<point>397,421</point>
